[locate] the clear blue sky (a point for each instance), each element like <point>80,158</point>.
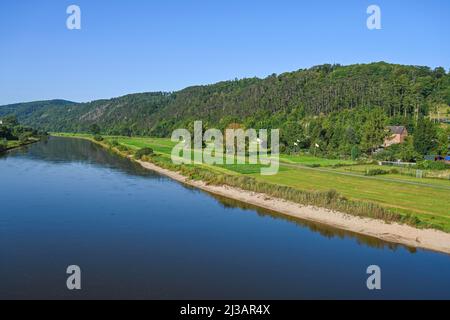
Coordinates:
<point>139,45</point>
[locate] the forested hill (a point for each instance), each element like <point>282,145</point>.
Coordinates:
<point>402,93</point>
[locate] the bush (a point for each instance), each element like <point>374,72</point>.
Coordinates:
<point>339,165</point>
<point>376,172</point>
<point>3,145</point>
<point>114,143</point>
<point>355,153</point>
<point>98,137</point>
<point>25,136</point>
<point>143,152</point>
<point>432,165</point>
<point>122,148</point>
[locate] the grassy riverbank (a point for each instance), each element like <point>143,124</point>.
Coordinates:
<point>14,135</point>
<point>13,144</point>
<point>397,198</point>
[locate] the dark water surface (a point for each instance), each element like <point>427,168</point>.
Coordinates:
<point>136,234</point>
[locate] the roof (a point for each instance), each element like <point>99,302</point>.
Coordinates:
<point>397,129</point>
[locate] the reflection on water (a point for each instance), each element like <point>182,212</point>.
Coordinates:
<point>324,230</point>
<point>65,150</point>
<point>136,234</point>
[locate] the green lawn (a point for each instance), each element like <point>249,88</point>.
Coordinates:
<point>309,160</point>
<point>428,199</point>
<point>407,174</point>
<point>430,203</point>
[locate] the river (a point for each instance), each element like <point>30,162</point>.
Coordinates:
<point>138,235</point>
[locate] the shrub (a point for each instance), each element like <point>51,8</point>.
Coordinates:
<point>25,136</point>
<point>98,137</point>
<point>3,145</point>
<point>95,129</point>
<point>143,152</point>
<point>114,143</point>
<point>339,165</point>
<point>123,148</point>
<point>432,165</point>
<point>376,172</point>
<point>355,153</point>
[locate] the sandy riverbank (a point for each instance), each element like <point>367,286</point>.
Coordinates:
<point>393,232</point>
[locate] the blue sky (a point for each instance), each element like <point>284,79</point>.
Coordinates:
<point>154,45</point>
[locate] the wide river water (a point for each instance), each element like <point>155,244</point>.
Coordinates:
<point>136,234</point>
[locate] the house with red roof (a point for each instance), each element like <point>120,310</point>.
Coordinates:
<point>397,135</point>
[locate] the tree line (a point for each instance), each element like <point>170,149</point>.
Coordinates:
<point>343,110</point>
<point>11,130</point>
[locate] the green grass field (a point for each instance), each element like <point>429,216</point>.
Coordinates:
<point>427,199</point>
<point>407,174</point>
<point>309,160</point>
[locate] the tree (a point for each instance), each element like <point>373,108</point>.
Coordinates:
<point>439,72</point>
<point>94,129</point>
<point>24,137</point>
<point>351,136</point>
<point>407,152</point>
<point>292,136</point>
<point>374,130</point>
<point>425,136</point>
<point>98,137</point>
<point>5,132</point>
<point>125,131</point>
<point>355,153</point>
<point>10,121</point>
<point>3,145</point>
<point>444,141</point>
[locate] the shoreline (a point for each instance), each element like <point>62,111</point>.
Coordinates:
<point>8,149</point>
<point>428,239</point>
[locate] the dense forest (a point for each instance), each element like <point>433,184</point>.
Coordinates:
<point>342,109</point>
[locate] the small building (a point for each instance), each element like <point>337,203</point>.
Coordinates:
<point>1,122</point>
<point>447,159</point>
<point>433,157</point>
<point>398,135</point>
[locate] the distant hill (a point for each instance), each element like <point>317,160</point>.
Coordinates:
<point>401,91</point>
<point>26,110</point>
